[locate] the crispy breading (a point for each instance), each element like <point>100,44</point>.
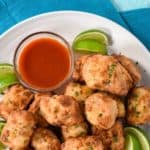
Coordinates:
<point>105,73</point>
<point>61,110</point>
<point>83,143</point>
<point>112,138</point>
<point>101,110</point>
<point>78,91</point>
<point>16,98</point>
<point>73,131</point>
<point>18,130</point>
<point>130,66</point>
<point>77,73</point>
<point>138,109</point>
<point>44,139</point>
<point>35,108</point>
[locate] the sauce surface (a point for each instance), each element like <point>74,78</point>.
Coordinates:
<point>44,62</point>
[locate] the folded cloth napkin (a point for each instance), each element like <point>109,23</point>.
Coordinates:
<point>138,22</point>
<point>14,11</point>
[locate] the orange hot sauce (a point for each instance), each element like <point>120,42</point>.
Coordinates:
<point>44,63</point>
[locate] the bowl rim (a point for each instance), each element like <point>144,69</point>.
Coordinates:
<point>71,56</point>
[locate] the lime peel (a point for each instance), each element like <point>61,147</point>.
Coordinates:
<point>93,40</point>
<point>143,140</point>
<point>2,147</point>
<point>7,76</point>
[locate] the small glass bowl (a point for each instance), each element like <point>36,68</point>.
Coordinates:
<point>29,39</point>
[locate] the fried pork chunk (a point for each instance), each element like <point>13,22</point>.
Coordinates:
<point>18,130</point>
<point>61,110</point>
<point>44,139</point>
<point>77,73</point>
<point>105,73</point>
<point>35,108</point>
<point>112,138</point>
<point>83,143</point>
<point>130,66</point>
<point>76,130</point>
<point>16,98</point>
<point>138,109</point>
<point>78,91</point>
<point>101,110</point>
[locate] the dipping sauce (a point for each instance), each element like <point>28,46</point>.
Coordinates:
<point>44,63</point>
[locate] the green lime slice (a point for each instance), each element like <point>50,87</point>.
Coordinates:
<point>142,138</point>
<point>131,142</point>
<point>93,41</point>
<point>1,126</point>
<point>102,38</point>
<point>90,45</point>
<point>2,147</point>
<point>7,76</point>
<point>98,31</point>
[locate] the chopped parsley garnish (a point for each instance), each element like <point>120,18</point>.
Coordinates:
<point>134,95</point>
<point>76,93</point>
<point>115,138</point>
<point>111,69</point>
<point>107,82</point>
<point>137,113</point>
<point>77,126</point>
<point>134,108</point>
<point>82,133</point>
<point>90,148</point>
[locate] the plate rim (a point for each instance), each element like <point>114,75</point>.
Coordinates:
<point>74,12</point>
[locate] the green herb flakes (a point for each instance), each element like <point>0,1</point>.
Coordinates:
<point>111,69</point>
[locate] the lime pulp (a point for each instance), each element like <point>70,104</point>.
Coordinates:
<point>142,138</point>
<point>7,76</point>
<point>92,41</point>
<point>131,142</point>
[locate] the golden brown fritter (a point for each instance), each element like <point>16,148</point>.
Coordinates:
<point>77,75</point>
<point>16,98</point>
<point>138,109</point>
<point>78,91</point>
<point>73,131</point>
<point>105,73</point>
<point>112,138</point>
<point>101,110</point>
<point>83,143</point>
<point>44,139</point>
<point>121,108</point>
<point>18,130</point>
<point>35,108</point>
<point>61,110</point>
<point>130,66</point>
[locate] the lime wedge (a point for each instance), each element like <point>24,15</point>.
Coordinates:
<point>90,45</point>
<point>142,138</point>
<point>102,38</point>
<point>7,76</point>
<point>94,41</point>
<point>2,147</point>
<point>98,31</point>
<point>131,142</point>
<point>1,126</point>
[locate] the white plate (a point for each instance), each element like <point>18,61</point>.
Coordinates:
<point>69,24</point>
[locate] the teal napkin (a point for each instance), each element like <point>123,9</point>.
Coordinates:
<point>138,22</point>
<point>14,11</point>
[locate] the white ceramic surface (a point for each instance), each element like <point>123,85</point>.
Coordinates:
<point>69,24</point>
